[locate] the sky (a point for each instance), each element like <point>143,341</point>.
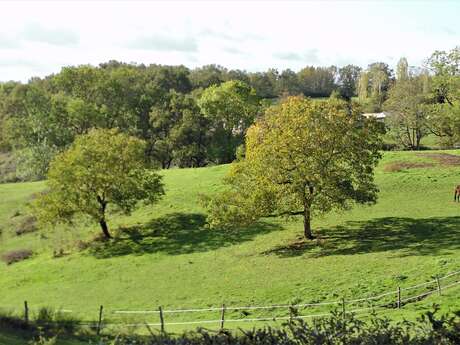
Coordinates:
<point>38,38</point>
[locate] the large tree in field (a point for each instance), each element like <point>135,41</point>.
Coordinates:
<point>303,157</point>
<point>101,169</point>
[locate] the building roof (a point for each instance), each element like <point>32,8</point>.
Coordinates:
<point>377,116</point>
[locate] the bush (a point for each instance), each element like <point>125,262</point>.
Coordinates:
<point>333,330</point>
<point>8,168</point>
<point>27,225</point>
<point>16,256</point>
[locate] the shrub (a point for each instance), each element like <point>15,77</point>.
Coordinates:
<point>27,225</point>
<point>16,256</point>
<point>333,330</point>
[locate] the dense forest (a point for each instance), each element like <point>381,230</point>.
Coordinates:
<point>196,117</point>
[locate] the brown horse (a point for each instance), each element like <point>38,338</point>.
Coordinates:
<point>457,193</point>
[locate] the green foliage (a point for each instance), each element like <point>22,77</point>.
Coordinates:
<point>179,132</point>
<point>102,168</point>
<point>446,81</point>
<point>317,81</point>
<point>348,80</point>
<point>444,115</point>
<point>302,157</point>
<point>444,122</point>
<point>231,108</point>
<point>373,86</point>
<point>408,111</point>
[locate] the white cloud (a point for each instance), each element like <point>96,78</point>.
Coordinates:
<point>164,43</point>
<point>34,32</point>
<point>7,42</point>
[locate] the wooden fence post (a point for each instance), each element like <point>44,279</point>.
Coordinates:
<point>162,321</point>
<point>99,324</point>
<point>26,313</point>
<point>399,297</point>
<point>222,317</point>
<point>438,282</point>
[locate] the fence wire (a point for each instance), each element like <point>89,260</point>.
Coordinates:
<point>395,303</point>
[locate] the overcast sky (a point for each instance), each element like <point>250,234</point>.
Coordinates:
<point>38,37</point>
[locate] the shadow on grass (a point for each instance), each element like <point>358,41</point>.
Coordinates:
<point>176,233</point>
<point>406,236</point>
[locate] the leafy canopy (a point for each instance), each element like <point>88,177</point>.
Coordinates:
<point>231,108</point>
<point>302,157</point>
<point>100,169</point>
<point>407,108</point>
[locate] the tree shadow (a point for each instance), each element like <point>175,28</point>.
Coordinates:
<point>405,236</point>
<point>175,233</point>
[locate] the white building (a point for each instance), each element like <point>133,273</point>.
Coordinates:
<point>377,116</point>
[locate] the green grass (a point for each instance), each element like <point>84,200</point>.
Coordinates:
<point>164,254</point>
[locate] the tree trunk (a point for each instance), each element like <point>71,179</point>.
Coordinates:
<point>105,229</point>
<point>307,224</point>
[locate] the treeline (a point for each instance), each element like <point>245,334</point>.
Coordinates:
<point>196,117</point>
<point>189,118</point>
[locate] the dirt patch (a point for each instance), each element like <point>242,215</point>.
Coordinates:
<point>16,256</point>
<point>399,166</point>
<point>445,159</point>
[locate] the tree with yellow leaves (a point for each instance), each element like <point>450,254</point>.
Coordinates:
<point>303,157</point>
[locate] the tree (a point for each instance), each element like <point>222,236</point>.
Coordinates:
<point>406,106</point>
<point>363,86</point>
<point>231,108</point>
<point>446,79</point>
<point>380,78</point>
<point>264,83</point>
<point>444,114</point>
<point>179,132</point>
<point>402,69</point>
<point>303,157</point>
<point>101,169</point>
<point>207,76</point>
<point>348,80</point>
<point>288,83</point>
<point>317,81</point>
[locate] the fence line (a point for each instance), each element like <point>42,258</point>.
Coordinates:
<point>388,306</point>
<point>272,318</point>
<point>227,308</point>
<point>419,285</point>
<point>284,306</point>
<point>450,274</point>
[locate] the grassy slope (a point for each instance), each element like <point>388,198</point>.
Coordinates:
<point>167,257</point>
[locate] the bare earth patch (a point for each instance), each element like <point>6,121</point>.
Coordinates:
<point>446,159</point>
<point>399,166</point>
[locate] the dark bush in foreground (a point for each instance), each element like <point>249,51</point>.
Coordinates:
<point>16,256</point>
<point>333,330</point>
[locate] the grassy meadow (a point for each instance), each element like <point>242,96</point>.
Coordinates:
<point>165,255</point>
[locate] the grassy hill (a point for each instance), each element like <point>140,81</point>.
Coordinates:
<point>165,255</point>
